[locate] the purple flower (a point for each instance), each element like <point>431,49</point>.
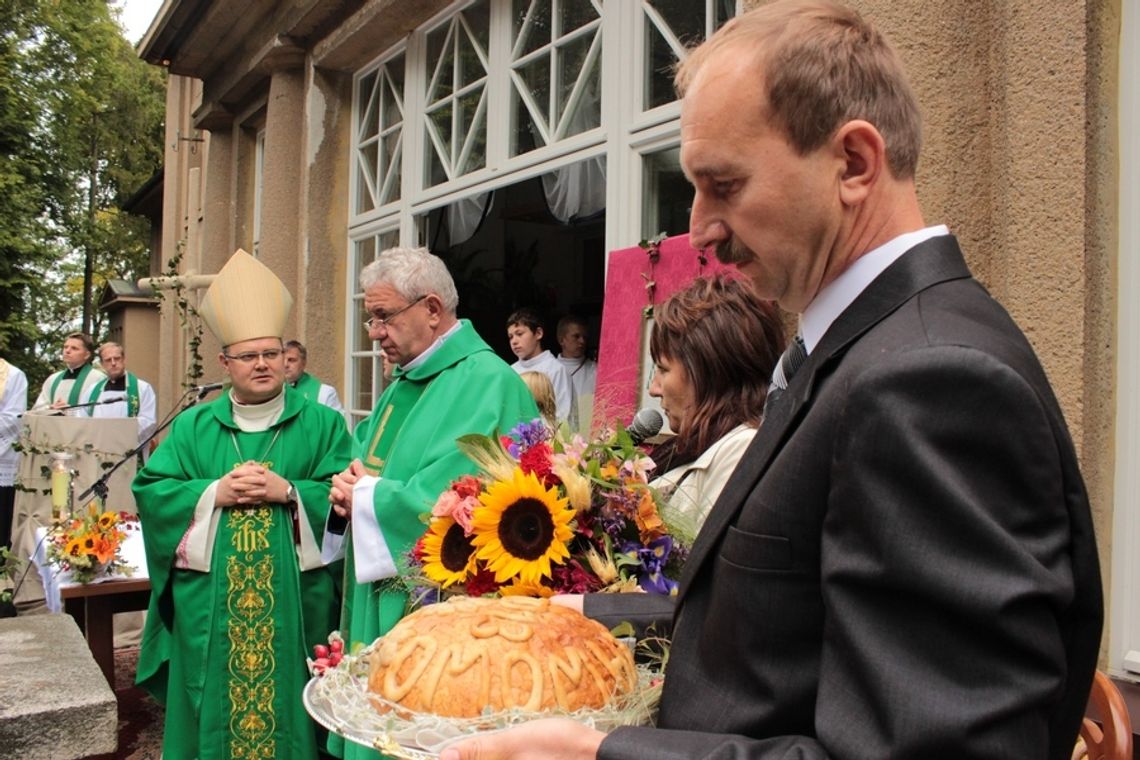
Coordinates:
<point>527,434</point>
<point>422,596</point>
<point>653,556</point>
<point>613,525</point>
<point>657,583</point>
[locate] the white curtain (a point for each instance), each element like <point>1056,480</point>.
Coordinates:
<point>464,216</point>
<point>578,191</point>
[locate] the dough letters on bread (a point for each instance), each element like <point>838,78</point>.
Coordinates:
<point>459,657</point>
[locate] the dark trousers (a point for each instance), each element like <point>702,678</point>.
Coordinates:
<point>7,505</point>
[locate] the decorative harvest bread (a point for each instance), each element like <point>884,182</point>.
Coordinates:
<point>459,657</point>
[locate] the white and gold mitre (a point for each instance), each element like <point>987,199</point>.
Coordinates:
<point>245,301</point>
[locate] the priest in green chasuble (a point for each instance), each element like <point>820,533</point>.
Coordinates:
<point>447,383</point>
<point>233,506</point>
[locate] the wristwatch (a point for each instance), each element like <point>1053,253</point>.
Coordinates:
<point>291,495</point>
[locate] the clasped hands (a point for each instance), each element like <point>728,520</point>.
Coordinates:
<point>249,484</point>
<point>340,495</point>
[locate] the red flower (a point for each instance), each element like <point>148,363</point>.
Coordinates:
<point>483,582</point>
<point>467,486</point>
<point>536,459</point>
<point>572,578</point>
<point>418,550</point>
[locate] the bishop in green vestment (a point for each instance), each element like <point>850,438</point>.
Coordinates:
<point>447,383</point>
<point>233,505</point>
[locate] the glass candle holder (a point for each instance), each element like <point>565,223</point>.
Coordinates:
<point>61,483</point>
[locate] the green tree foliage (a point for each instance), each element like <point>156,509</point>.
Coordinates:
<point>80,131</point>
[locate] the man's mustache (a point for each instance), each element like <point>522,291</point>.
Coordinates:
<point>731,252</point>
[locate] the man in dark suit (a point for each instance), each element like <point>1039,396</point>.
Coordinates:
<point>903,565</point>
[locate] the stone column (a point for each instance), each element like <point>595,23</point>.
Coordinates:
<point>282,244</point>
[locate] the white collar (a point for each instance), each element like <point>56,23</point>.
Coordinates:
<point>254,418</point>
<point>830,302</point>
<point>427,352</point>
<point>537,359</point>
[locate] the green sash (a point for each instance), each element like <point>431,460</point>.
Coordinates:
<point>308,386</point>
<point>76,388</point>
<point>132,393</point>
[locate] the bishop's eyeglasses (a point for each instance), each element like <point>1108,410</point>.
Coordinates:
<point>249,357</point>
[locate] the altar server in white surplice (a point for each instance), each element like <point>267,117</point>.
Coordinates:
<point>13,403</point>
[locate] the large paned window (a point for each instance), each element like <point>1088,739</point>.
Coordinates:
<point>379,135</point>
<point>519,140</point>
<point>455,113</point>
<point>670,26</point>
<point>366,375</point>
<point>555,71</point>
<point>1124,634</point>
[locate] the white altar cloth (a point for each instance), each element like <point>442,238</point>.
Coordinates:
<point>55,578</point>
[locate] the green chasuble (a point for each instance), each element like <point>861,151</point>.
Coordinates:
<point>409,441</point>
<point>225,650</point>
<point>308,386</point>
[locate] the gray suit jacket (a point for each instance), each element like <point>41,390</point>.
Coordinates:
<point>903,565</point>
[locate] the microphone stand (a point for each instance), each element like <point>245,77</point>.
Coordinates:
<point>58,411</point>
<point>113,400</point>
<point>99,487</point>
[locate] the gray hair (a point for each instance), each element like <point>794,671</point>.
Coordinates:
<point>412,272</point>
<point>304,352</point>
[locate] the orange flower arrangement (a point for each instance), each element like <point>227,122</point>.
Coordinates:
<point>89,546</point>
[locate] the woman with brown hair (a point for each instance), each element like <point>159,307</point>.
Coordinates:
<point>714,345</point>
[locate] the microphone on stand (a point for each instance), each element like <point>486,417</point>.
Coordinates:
<point>61,409</point>
<point>202,390</point>
<point>100,488</point>
<point>646,424</point>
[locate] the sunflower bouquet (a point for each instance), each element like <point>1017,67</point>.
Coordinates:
<point>90,546</point>
<point>548,514</point>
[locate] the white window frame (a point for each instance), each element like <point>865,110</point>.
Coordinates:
<point>354,318</point>
<point>625,135</point>
<point>1124,631</point>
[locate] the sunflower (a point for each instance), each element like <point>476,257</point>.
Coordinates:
<point>74,548</point>
<point>518,588</point>
<point>521,527</point>
<point>107,519</point>
<point>448,556</point>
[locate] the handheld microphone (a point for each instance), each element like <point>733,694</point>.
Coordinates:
<point>646,424</point>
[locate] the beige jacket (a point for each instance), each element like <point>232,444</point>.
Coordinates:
<point>693,488</point>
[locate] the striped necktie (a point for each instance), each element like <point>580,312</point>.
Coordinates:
<point>790,362</point>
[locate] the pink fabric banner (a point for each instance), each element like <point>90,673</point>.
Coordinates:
<point>628,273</point>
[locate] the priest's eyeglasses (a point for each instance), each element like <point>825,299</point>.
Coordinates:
<point>373,322</point>
<point>249,357</point>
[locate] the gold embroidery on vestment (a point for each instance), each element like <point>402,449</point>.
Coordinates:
<point>373,463</point>
<point>252,665</point>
